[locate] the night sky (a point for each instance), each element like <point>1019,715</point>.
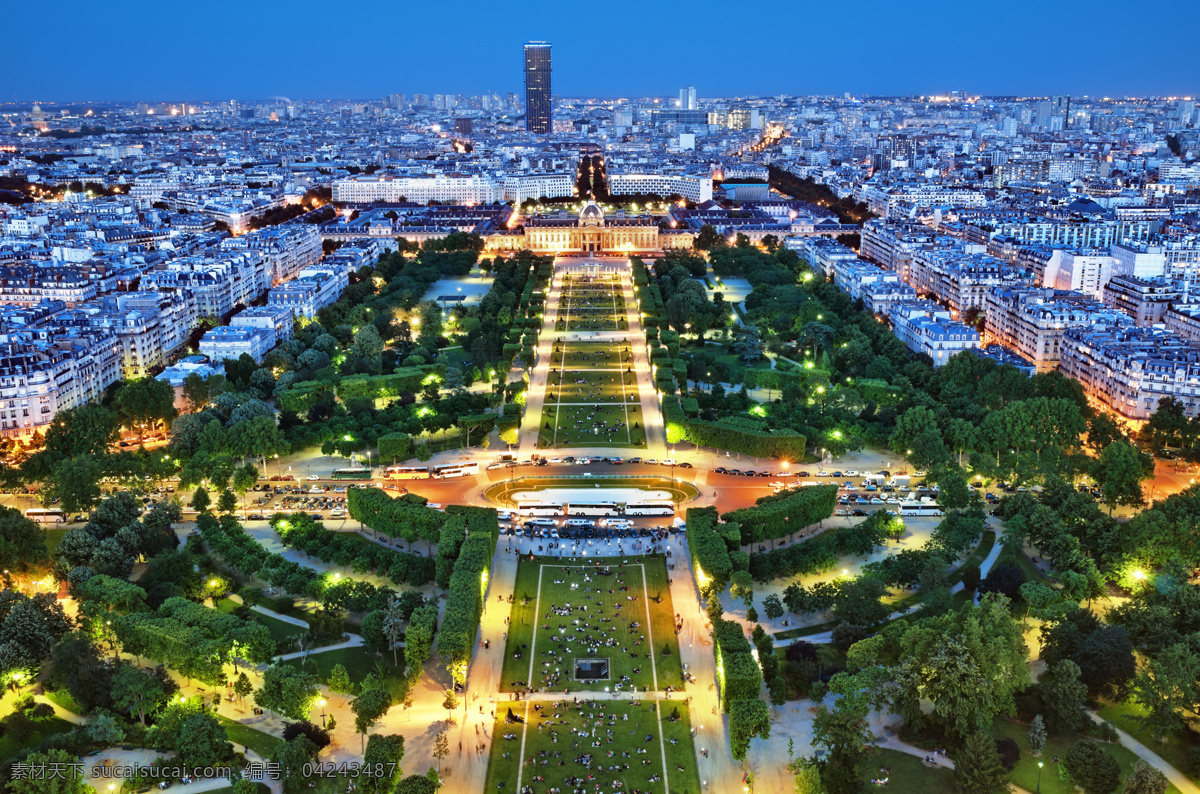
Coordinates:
<point>82,50</point>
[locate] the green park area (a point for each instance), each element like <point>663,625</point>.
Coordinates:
<point>590,355</point>
<point>594,608</point>
<point>590,386</point>
<point>642,745</point>
<point>594,426</point>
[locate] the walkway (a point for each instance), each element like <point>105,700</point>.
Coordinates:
<point>1177,778</point>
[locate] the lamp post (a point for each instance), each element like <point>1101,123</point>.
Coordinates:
<point>1039,780</point>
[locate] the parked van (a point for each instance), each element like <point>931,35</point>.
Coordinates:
<point>544,523</point>
<point>339,513</point>
<point>579,522</point>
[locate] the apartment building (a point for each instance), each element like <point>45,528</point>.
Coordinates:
<point>1183,319</point>
<point>1145,300</point>
<point>520,188</point>
<point>1178,259</point>
<point>43,373</point>
<point>1072,269</point>
<point>1031,321</point>
<point>821,253</point>
<point>1130,369</point>
<point>229,341</point>
<point>693,188</point>
<point>313,289</point>
<point>892,244</point>
<point>449,189</point>
<point>926,327</point>
<point>961,280</point>
<point>288,249</point>
<point>218,282</point>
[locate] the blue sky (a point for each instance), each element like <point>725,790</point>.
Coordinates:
<point>134,50</point>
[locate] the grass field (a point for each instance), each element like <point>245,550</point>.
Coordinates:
<point>1127,717</point>
<point>590,386</point>
<point>591,305</point>
<point>262,743</point>
<point>43,729</point>
<point>605,741</point>
<point>590,355</point>
<point>280,630</point>
<point>595,426</point>
<point>359,662</point>
<point>906,774</point>
<point>1025,774</point>
<point>560,639</point>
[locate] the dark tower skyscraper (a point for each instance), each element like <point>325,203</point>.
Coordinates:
<point>537,87</point>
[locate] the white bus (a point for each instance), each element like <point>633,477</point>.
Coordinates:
<point>540,508</point>
<point>917,509</point>
<point>592,509</point>
<point>454,470</point>
<point>46,515</point>
<point>650,509</point>
<point>406,472</point>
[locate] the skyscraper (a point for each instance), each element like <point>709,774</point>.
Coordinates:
<point>687,98</point>
<point>537,88</point>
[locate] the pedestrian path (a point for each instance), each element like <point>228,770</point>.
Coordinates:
<point>1177,778</point>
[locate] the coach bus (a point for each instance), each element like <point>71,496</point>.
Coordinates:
<point>592,509</point>
<point>915,509</point>
<point>46,515</point>
<point>406,472</point>
<point>650,509</point>
<point>540,508</point>
<point>350,474</point>
<point>454,470</point>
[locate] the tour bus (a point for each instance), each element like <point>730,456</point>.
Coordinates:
<point>406,472</point>
<point>350,474</point>
<point>46,515</point>
<point>650,509</point>
<point>539,508</point>
<point>454,470</point>
<point>592,509</point>
<point>917,509</point>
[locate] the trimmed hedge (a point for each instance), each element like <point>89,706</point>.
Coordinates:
<point>783,514</point>
<point>342,548</point>
<point>396,518</point>
<point>404,379</point>
<point>782,443</point>
<point>708,549</point>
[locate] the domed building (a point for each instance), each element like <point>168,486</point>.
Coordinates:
<point>591,232</point>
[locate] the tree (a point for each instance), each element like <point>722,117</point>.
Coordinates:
<point>244,478</point>
<point>808,776</point>
<point>858,601</point>
<point>383,756</point>
<point>844,732</point>
<point>741,587</point>
<point>772,607</point>
<point>953,493</point>
<point>288,691</point>
<point>136,692</point>
<point>76,483</point>
<point>202,741</point>
<point>441,748</point>
<point>200,499</point>
<point>1119,472</point>
<point>104,729</point>
<point>67,783</point>
<point>339,682</point>
<point>1037,735</point>
<point>450,703</point>
<point>393,625</point>
<point>292,758</point>
<point>978,768</point>
<point>315,733</point>
<point>22,542</point>
<point>708,237</point>
<point>370,705</point>
<point>145,401</point>
<point>1168,685</point>
<point>777,691</point>
<point>747,718</point>
<point>1065,699</point>
<point>226,502</point>
<point>242,686</point>
<point>1145,779</point>
<point>1092,768</point>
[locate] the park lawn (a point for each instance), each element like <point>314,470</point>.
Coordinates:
<point>280,629</point>
<point>1025,774</point>
<point>572,426</point>
<point>359,662</point>
<point>262,743</point>
<point>455,357</point>
<point>501,769</point>
<point>681,754</point>
<point>907,774</point>
<point>590,355</point>
<point>1014,556</point>
<point>43,729</point>
<point>612,733</point>
<point>737,368</point>
<point>524,618</point>
<point>62,698</point>
<point>53,538</point>
<point>1174,750</point>
<point>597,387</point>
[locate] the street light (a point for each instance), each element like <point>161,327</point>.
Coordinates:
<point>1039,782</point>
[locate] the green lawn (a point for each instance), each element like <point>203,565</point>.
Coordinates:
<point>556,672</point>
<point>454,357</point>
<point>43,729</point>
<point>62,698</point>
<point>586,386</point>
<point>906,774</point>
<point>1012,556</point>
<point>358,662</point>
<point>53,538</point>
<point>593,426</point>
<point>1025,774</point>
<point>590,355</point>
<point>620,732</point>
<point>262,743</point>
<point>280,629</point>
<point>1174,750</point>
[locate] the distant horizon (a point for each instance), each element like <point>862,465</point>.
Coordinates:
<point>271,49</point>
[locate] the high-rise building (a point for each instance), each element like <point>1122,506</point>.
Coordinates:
<point>687,98</point>
<point>537,87</point>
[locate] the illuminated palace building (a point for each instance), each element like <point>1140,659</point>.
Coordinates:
<point>590,232</point>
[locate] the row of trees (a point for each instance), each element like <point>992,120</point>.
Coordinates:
<point>299,531</point>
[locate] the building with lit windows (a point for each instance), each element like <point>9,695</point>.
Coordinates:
<point>590,232</point>
<point>538,89</point>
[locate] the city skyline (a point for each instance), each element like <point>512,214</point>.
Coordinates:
<point>987,55</point>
